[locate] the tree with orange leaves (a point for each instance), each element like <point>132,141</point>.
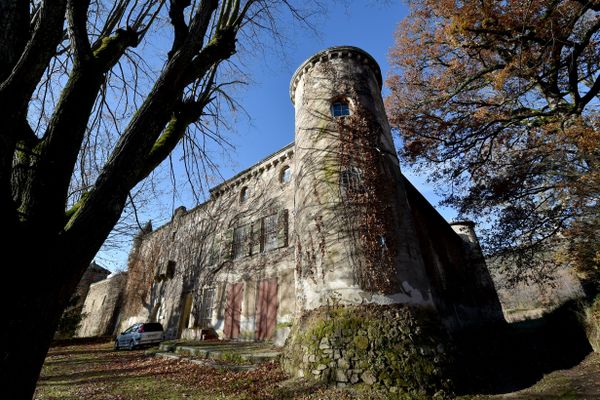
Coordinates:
<point>501,100</point>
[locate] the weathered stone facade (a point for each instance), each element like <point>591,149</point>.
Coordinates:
<point>94,273</point>
<point>72,315</point>
<point>100,314</point>
<point>328,220</point>
<point>183,273</point>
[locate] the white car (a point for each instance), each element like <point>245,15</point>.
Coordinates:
<point>141,334</point>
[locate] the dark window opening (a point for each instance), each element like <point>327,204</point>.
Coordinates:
<point>244,194</point>
<point>171,269</point>
<point>152,327</point>
<point>285,175</point>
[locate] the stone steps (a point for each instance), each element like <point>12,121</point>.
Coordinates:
<point>205,363</point>
<point>233,353</point>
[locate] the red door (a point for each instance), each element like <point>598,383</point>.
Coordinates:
<point>266,309</point>
<point>233,310</point>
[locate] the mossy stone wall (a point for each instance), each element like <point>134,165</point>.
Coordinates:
<point>592,324</point>
<point>398,347</point>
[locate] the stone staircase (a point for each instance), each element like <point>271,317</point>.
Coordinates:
<point>221,354</point>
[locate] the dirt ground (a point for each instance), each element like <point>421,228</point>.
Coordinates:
<point>96,372</point>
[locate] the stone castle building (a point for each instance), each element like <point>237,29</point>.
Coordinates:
<point>327,220</point>
<point>102,307</point>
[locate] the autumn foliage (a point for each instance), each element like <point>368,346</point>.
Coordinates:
<point>498,100</point>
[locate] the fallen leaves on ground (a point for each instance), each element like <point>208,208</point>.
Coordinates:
<point>96,372</point>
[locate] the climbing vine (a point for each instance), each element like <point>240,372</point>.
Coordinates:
<point>368,194</point>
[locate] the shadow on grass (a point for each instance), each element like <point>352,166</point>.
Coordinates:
<point>511,357</point>
<point>101,371</point>
<point>77,352</point>
<point>92,357</point>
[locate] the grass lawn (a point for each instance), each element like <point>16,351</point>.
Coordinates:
<point>96,372</point>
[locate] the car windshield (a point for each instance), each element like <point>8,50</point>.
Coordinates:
<point>132,328</point>
<point>153,327</point>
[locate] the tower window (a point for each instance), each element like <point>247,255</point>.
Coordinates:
<point>285,174</point>
<point>351,181</point>
<point>340,109</point>
<point>244,194</point>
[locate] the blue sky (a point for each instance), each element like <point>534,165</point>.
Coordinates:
<point>268,123</point>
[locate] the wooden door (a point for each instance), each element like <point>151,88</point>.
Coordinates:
<point>233,310</point>
<point>266,309</point>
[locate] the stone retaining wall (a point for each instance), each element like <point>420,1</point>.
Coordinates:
<point>393,346</point>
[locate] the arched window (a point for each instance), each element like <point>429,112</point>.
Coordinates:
<point>285,174</point>
<point>244,194</point>
<point>340,108</point>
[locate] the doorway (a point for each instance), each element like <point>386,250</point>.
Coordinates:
<point>266,309</point>
<point>186,310</point>
<point>233,310</point>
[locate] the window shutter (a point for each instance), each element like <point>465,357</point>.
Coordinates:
<point>213,256</point>
<point>221,298</point>
<point>256,237</point>
<point>282,228</point>
<point>248,240</point>
<point>227,245</point>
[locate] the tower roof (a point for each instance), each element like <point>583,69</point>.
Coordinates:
<point>335,52</point>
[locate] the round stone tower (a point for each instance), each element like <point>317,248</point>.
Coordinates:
<point>355,237</point>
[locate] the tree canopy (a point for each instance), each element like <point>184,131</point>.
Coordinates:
<point>498,101</point>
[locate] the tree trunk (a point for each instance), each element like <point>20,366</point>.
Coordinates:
<point>37,286</point>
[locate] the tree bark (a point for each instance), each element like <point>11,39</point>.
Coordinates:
<point>37,286</point>
<point>47,249</point>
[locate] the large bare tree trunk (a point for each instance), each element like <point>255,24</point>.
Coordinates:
<point>34,308</point>
<point>40,272</point>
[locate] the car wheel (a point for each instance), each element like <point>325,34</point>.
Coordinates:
<point>131,345</point>
<point>117,345</point>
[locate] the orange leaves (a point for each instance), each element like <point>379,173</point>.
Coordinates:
<point>499,101</point>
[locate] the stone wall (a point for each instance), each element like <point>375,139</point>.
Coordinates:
<point>463,288</point>
<point>72,315</point>
<point>102,307</point>
<point>94,273</point>
<point>172,268</point>
<point>398,347</point>
<point>592,324</point>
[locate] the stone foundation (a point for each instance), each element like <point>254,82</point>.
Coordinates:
<point>398,347</point>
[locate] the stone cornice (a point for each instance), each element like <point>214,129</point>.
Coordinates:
<point>265,164</point>
<point>330,53</point>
